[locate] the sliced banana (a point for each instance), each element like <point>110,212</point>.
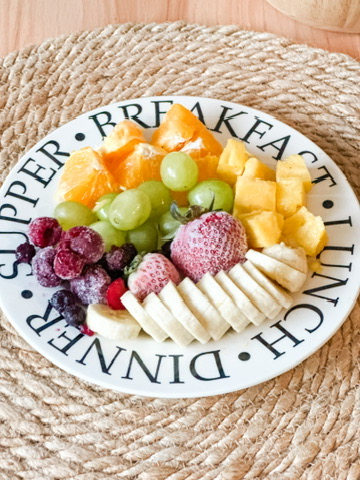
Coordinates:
<point>284,275</point>
<point>163,317</point>
<point>240,299</point>
<point>132,304</point>
<point>203,309</point>
<point>172,299</point>
<point>256,293</point>
<point>222,302</point>
<point>294,257</point>
<point>113,324</point>
<point>275,290</point>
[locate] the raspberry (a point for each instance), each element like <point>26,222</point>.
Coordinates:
<point>62,299</point>
<point>84,241</point>
<point>116,289</point>
<point>91,287</point>
<point>74,315</point>
<point>120,257</point>
<point>43,268</point>
<point>25,252</point>
<point>86,330</point>
<point>45,231</point>
<point>67,264</point>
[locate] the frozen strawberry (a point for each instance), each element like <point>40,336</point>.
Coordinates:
<point>150,274</point>
<point>116,289</point>
<point>212,242</point>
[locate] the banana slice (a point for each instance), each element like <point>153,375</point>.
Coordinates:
<point>203,309</point>
<point>222,302</point>
<point>172,299</point>
<point>113,324</point>
<point>294,257</point>
<point>275,290</point>
<point>256,293</point>
<point>240,299</point>
<point>162,316</point>
<point>284,275</point>
<point>132,304</point>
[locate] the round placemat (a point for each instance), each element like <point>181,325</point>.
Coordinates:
<point>302,425</point>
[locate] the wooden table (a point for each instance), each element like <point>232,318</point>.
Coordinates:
<point>24,22</point>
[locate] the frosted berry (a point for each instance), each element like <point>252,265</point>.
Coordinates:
<point>150,274</point>
<point>120,257</point>
<point>74,315</point>
<point>25,252</point>
<point>84,241</point>
<point>116,289</point>
<point>92,286</point>
<point>62,299</point>
<point>68,264</point>
<point>43,268</point>
<point>45,231</point>
<point>212,242</point>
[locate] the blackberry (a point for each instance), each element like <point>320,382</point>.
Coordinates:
<point>74,315</point>
<point>25,253</point>
<point>62,299</point>
<point>120,257</point>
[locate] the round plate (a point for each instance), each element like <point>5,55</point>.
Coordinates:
<point>166,370</point>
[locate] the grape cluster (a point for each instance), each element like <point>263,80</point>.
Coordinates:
<point>87,251</point>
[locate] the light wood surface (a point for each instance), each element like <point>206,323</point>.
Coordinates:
<point>26,22</point>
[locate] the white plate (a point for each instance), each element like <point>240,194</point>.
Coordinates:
<point>166,370</point>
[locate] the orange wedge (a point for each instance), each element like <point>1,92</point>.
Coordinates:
<point>182,130</point>
<point>141,165</point>
<point>120,143</point>
<point>85,178</point>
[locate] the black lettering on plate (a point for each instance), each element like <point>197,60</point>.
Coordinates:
<point>133,116</point>
<point>219,368</point>
<point>45,321</point>
<point>286,334</point>
<point>105,368</point>
<point>13,218</point>
<point>337,282</point>
<point>14,192</point>
<point>150,376</point>
<point>224,119</point>
<point>280,148</point>
<point>325,176</point>
<point>100,122</point>
<point>51,154</point>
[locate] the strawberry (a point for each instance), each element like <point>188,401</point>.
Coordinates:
<point>115,290</point>
<point>150,274</point>
<point>212,242</point>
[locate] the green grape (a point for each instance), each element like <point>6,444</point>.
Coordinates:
<point>179,171</point>
<point>73,214</point>
<point>203,193</point>
<point>145,237</point>
<point>102,206</point>
<point>130,209</point>
<point>167,223</point>
<point>160,197</point>
<point>110,235</point>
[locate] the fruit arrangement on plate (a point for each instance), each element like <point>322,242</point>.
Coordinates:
<point>179,237</point>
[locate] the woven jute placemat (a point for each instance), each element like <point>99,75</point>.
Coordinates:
<point>305,424</point>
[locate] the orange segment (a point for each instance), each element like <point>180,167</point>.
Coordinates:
<point>121,142</point>
<point>182,130</point>
<point>85,178</point>
<point>141,165</point>
<point>207,167</point>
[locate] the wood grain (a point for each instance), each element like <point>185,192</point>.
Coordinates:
<point>25,22</point>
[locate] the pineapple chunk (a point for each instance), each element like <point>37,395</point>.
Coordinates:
<point>256,169</point>
<point>254,194</point>
<point>232,161</point>
<point>293,166</point>
<point>263,228</point>
<point>290,196</point>
<point>304,229</point>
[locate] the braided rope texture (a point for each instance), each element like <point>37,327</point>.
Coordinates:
<point>305,424</point>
